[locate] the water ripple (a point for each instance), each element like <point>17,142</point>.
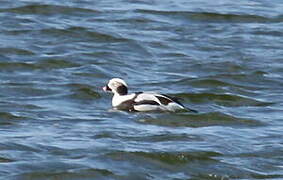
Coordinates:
<point>45,9</point>
<point>167,158</point>
<point>213,17</point>
<point>41,65</point>
<point>200,120</point>
<point>229,100</point>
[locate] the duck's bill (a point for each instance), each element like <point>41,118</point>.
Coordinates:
<point>106,88</point>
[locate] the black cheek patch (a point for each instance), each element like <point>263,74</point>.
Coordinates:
<point>122,90</point>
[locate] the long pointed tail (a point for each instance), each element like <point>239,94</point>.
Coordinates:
<point>191,110</point>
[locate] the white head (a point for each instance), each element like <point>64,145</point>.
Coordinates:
<point>117,85</point>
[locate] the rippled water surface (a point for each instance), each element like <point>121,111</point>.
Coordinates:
<point>223,58</point>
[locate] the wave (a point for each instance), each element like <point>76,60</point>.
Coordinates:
<point>78,173</point>
<point>17,51</point>
<point>170,158</point>
<point>46,64</point>
<point>214,16</point>
<point>9,116</point>
<point>198,120</point>
<point>45,9</point>
<point>83,92</point>
<point>229,100</point>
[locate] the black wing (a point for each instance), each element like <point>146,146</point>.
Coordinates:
<point>129,104</point>
<point>169,99</point>
<point>165,99</point>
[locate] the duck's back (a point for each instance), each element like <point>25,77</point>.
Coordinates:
<point>147,102</point>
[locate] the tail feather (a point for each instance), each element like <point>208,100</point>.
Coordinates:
<point>191,110</point>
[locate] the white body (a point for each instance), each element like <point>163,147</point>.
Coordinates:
<point>172,106</point>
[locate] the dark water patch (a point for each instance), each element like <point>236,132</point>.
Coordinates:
<point>151,138</point>
<point>266,176</point>
<point>212,69</point>
<point>97,69</point>
<point>81,91</point>
<point>180,165</point>
<point>88,75</point>
<point>56,63</point>
<point>274,152</point>
<point>57,151</point>
<point>210,83</point>
<point>74,174</point>
<point>255,81</point>
<point>164,138</point>
<point>210,176</point>
<point>198,120</point>
<point>103,135</point>
<point>178,158</point>
<point>6,160</point>
<point>17,33</point>
<point>173,54</point>
<point>6,123</point>
<point>234,173</point>
<point>47,9</point>
<point>274,33</point>
<point>17,51</point>
<point>231,18</point>
<point>30,92</point>
<point>11,146</point>
<point>212,17</point>
<point>138,20</point>
<point>17,84</point>
<point>99,54</point>
<point>46,64</point>
<point>169,164</point>
<point>44,169</point>
<point>17,106</point>
<point>16,66</point>
<point>78,33</point>
<point>222,86</point>
<point>161,12</point>
<point>168,158</point>
<point>9,116</point>
<point>228,100</point>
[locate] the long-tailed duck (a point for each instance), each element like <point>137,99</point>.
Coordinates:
<point>141,101</point>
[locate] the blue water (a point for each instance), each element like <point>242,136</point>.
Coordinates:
<point>223,58</point>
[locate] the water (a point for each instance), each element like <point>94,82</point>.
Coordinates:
<point>223,58</point>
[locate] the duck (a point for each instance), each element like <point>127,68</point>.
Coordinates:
<point>141,101</point>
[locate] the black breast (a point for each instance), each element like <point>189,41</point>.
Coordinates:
<point>127,105</point>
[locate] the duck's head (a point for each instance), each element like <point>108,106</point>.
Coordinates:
<point>117,86</point>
